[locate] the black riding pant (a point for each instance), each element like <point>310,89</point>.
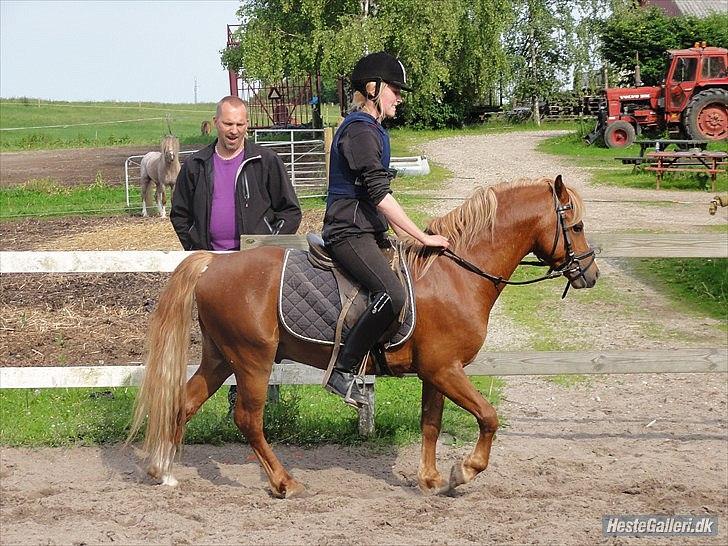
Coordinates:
<point>361,257</point>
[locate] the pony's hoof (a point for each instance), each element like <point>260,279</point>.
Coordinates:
<point>457,475</point>
<point>432,487</point>
<point>169,480</point>
<point>290,491</point>
<point>295,490</point>
<point>442,489</point>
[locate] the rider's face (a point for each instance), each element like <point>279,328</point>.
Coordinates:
<point>391,97</point>
<point>231,125</point>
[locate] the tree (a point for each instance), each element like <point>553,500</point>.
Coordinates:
<point>538,46</point>
<point>451,48</point>
<point>649,34</point>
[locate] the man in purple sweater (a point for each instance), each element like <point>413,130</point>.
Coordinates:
<point>230,188</point>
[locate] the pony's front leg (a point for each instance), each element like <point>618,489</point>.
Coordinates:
<point>428,476</point>
<point>454,384</point>
<point>248,416</point>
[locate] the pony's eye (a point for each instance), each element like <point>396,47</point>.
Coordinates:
<point>578,228</point>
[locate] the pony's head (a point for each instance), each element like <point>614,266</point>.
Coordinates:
<point>561,242</point>
<point>170,148</point>
<point>539,216</point>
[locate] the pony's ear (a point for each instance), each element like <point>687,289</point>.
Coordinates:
<point>560,189</point>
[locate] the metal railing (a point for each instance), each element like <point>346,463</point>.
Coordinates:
<point>302,152</point>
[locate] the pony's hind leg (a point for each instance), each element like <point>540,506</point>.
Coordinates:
<point>248,415</point>
<point>161,198</point>
<point>213,371</point>
<point>428,476</point>
<point>454,384</point>
<point>145,193</point>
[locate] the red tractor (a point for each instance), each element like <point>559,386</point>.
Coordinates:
<point>692,101</point>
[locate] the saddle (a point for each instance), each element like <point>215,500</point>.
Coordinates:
<point>320,303</point>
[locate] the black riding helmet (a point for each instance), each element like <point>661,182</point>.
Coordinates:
<point>378,67</point>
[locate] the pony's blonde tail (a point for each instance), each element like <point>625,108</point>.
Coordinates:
<point>161,395</point>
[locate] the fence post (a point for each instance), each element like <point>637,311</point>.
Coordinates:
<point>366,414</point>
<point>328,139</point>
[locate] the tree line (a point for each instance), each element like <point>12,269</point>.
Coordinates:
<point>463,55</point>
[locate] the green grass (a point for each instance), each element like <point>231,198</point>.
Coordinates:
<point>305,415</point>
<point>92,124</point>
<point>606,170</point>
<point>700,285</point>
<point>48,198</point>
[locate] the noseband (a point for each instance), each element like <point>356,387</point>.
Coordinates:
<point>571,267</point>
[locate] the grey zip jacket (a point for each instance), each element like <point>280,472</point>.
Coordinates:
<point>265,201</point>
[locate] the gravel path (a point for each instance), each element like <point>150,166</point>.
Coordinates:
<point>486,159</point>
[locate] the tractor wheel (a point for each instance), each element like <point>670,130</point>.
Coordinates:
<point>619,134</point>
<point>706,117</point>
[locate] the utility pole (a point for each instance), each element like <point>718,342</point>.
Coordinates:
<point>195,89</point>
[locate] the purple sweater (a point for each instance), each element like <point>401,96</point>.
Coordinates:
<point>223,233</point>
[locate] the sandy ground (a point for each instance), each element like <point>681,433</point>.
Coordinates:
<point>630,444</point>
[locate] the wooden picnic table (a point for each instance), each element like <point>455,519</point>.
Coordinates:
<point>697,162</point>
<point>661,145</point>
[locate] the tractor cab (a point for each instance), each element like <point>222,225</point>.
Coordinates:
<point>690,70</point>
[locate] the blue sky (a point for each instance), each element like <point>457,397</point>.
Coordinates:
<point>114,50</point>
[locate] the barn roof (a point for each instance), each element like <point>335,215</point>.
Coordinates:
<point>698,8</point>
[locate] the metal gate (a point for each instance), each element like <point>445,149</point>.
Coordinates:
<point>288,103</point>
<point>302,152</point>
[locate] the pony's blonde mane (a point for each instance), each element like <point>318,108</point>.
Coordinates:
<point>468,221</point>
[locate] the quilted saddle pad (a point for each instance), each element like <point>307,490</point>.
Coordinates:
<point>309,303</point>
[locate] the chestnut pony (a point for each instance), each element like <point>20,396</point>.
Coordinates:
<point>237,293</point>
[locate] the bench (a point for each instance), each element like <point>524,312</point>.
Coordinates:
<point>710,163</point>
<point>636,161</point>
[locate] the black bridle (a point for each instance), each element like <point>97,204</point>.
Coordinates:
<point>571,267</point>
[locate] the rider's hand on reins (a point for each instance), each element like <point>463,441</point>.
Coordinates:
<point>436,240</point>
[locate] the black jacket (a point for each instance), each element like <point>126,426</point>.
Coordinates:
<point>265,201</point>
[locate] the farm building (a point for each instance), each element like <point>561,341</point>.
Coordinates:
<point>698,8</point>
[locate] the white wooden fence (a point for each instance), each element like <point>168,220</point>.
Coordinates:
<point>701,360</point>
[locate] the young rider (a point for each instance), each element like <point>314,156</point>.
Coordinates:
<point>359,209</point>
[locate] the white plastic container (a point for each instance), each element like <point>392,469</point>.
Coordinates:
<point>410,166</point>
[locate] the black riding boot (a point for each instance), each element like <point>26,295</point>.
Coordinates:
<point>365,333</point>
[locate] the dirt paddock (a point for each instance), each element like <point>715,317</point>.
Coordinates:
<point>566,455</point>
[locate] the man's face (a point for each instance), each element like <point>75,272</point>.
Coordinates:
<point>231,125</point>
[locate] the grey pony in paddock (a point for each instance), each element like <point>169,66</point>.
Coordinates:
<point>162,168</point>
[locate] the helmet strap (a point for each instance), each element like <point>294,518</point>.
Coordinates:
<point>377,89</point>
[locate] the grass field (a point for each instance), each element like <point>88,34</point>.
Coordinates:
<point>305,415</point>
<point>30,124</point>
